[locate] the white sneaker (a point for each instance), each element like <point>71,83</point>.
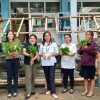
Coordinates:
<point>55,96</point>
<point>14,94</point>
<point>9,95</point>
<point>48,92</point>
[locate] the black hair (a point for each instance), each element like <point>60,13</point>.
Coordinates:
<point>91,32</point>
<point>68,35</point>
<point>7,35</point>
<point>33,35</point>
<point>44,37</point>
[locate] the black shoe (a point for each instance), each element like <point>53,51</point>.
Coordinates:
<point>27,97</point>
<point>64,91</point>
<point>33,93</point>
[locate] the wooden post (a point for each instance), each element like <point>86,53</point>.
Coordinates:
<point>46,23</point>
<point>70,24</point>
<point>32,23</point>
<point>6,25</point>
<point>20,27</point>
<point>96,23</point>
<point>84,23</point>
<point>56,23</point>
<point>79,22</point>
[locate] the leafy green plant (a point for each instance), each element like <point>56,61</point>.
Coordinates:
<point>11,47</point>
<point>85,42</point>
<point>65,50</point>
<point>32,50</point>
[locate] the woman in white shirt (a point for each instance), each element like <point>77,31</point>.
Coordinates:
<point>48,50</point>
<point>68,63</point>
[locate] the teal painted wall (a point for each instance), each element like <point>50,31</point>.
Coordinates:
<point>63,9</point>
<point>5,10</point>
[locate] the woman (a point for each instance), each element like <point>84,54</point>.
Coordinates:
<point>68,63</point>
<point>48,50</point>
<point>30,62</point>
<point>88,57</point>
<point>12,66</point>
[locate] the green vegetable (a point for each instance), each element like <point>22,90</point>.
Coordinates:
<point>85,42</point>
<point>64,50</point>
<point>32,50</point>
<point>11,47</point>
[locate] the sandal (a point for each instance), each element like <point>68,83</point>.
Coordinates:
<point>89,95</point>
<point>84,93</point>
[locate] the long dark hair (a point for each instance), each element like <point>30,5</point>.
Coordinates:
<point>91,32</point>
<point>68,35</point>
<point>43,42</point>
<point>7,35</point>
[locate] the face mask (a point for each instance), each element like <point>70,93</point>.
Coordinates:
<point>32,43</point>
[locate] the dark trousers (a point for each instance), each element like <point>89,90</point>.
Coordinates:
<point>49,72</point>
<point>68,73</point>
<point>12,67</point>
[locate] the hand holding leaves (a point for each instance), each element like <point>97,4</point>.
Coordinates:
<point>11,47</point>
<point>64,50</point>
<point>32,50</point>
<point>85,42</point>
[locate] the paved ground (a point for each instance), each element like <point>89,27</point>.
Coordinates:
<point>41,94</point>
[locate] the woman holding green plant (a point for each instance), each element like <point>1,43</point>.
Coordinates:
<point>48,50</point>
<point>12,62</point>
<point>30,52</point>
<point>67,52</point>
<point>88,54</point>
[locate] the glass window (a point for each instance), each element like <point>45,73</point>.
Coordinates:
<point>69,6</point>
<point>19,7</point>
<point>78,6</point>
<point>52,6</point>
<point>36,7</point>
<point>38,23</point>
<point>91,4</point>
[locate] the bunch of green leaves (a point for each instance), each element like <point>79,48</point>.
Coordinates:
<point>85,42</point>
<point>11,47</point>
<point>32,50</point>
<point>64,50</point>
<point>6,47</point>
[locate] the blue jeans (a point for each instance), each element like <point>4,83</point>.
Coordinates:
<point>12,67</point>
<point>49,72</point>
